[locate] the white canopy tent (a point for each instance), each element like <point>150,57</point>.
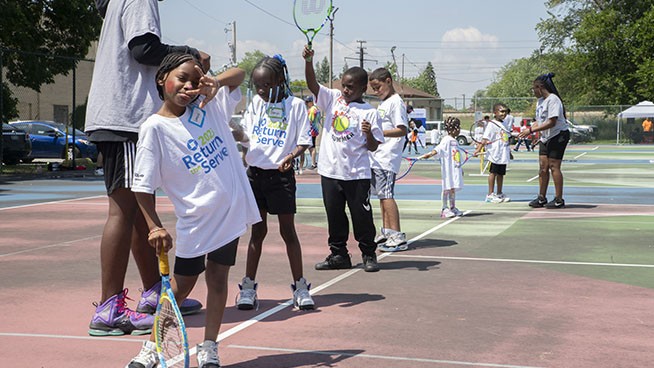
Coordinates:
<point>644,109</point>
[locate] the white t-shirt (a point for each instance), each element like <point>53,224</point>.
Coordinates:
<point>499,151</point>
<point>123,92</point>
<point>275,132</point>
<point>343,152</point>
<point>388,155</point>
<point>547,108</point>
<point>449,154</point>
<point>194,159</point>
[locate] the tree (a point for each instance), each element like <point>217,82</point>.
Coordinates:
<point>41,39</point>
<point>249,61</point>
<point>607,45</point>
<point>322,71</point>
<point>426,81</point>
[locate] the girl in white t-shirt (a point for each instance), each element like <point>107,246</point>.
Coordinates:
<point>279,131</point>
<point>554,137</point>
<point>449,154</point>
<point>188,150</point>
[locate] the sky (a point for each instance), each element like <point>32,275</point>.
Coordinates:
<point>467,41</point>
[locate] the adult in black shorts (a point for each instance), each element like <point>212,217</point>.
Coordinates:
<point>553,128</point>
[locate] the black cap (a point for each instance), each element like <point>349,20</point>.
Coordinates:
<point>308,99</point>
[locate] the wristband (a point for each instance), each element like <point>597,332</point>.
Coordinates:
<point>156,229</point>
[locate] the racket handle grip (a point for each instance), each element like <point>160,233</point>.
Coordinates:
<point>164,265</point>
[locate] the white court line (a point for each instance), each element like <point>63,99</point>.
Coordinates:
<point>594,148</point>
<point>527,261</point>
<point>532,179</point>
<point>288,303</point>
<point>49,336</point>
<point>384,357</point>
<point>53,202</point>
<point>62,244</point>
<point>580,155</point>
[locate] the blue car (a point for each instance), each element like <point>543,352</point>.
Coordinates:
<point>49,140</point>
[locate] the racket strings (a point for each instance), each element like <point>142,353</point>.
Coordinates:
<point>169,332</point>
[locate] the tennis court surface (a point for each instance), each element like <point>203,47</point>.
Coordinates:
<point>503,286</point>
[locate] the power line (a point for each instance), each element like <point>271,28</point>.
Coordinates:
<point>205,13</point>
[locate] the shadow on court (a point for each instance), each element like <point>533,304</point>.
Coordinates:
<point>409,265</point>
<point>431,243</point>
<point>318,358</point>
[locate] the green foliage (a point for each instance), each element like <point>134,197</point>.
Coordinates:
<point>34,32</point>
<point>606,49</point>
<point>426,81</point>
<point>322,71</point>
<point>249,61</point>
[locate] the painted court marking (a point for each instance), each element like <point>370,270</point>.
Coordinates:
<point>636,265</point>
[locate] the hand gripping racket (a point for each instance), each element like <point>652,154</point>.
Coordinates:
<point>169,329</point>
<point>310,16</point>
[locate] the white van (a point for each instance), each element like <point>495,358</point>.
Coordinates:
<point>436,131</point>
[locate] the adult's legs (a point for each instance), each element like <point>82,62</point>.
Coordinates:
<point>543,175</point>
<point>557,176</point>
<point>125,228</point>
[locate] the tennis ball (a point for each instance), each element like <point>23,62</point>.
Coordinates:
<point>341,123</point>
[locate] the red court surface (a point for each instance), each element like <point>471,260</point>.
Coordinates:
<point>432,306</point>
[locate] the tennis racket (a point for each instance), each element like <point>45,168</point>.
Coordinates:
<point>310,16</point>
<point>169,329</point>
<point>410,161</point>
<point>477,132</point>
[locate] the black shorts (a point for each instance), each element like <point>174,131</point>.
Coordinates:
<point>225,255</point>
<point>274,190</point>
<point>497,169</point>
<point>118,164</point>
<point>555,146</point>
<point>313,141</point>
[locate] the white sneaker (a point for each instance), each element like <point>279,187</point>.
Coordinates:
<point>147,357</point>
<point>382,237</point>
<point>247,297</point>
<point>99,171</point>
<point>447,213</point>
<point>208,354</point>
<point>396,242</point>
<point>490,198</point>
<point>456,211</point>
<point>301,296</point>
<point>503,198</point>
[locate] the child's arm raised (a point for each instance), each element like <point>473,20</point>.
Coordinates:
<point>309,73</point>
<point>209,85</point>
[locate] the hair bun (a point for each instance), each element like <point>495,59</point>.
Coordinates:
<point>280,58</point>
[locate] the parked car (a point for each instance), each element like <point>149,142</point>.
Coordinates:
<point>436,131</point>
<point>49,140</point>
<point>16,145</point>
<point>581,133</point>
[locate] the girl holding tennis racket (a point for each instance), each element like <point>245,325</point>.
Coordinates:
<point>188,150</point>
<point>449,154</point>
<point>279,131</point>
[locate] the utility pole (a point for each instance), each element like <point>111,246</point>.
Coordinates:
<point>331,47</point>
<point>232,45</point>
<point>361,53</point>
<point>464,101</point>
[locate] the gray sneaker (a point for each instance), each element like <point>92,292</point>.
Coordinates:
<point>247,296</point>
<point>208,354</point>
<point>301,297</point>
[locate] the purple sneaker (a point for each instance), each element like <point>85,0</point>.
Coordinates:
<point>113,318</point>
<point>150,298</point>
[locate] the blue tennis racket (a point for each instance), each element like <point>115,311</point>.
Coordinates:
<point>410,161</point>
<point>169,328</point>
